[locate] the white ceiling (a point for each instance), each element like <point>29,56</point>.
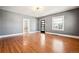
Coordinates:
<point>43,11</point>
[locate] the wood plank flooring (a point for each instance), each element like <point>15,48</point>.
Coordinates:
<point>38,43</point>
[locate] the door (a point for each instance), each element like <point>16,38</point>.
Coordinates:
<point>42,26</point>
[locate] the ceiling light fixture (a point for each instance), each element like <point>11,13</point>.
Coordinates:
<point>37,8</point>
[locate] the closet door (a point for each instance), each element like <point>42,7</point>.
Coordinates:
<point>42,26</point>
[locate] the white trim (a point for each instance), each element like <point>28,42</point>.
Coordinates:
<point>31,32</point>
<point>10,35</point>
<point>71,36</point>
<point>34,31</point>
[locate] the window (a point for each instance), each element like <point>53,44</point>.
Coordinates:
<point>26,25</point>
<point>58,23</point>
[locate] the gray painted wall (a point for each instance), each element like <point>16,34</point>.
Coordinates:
<point>12,23</point>
<point>71,22</point>
<point>0,22</point>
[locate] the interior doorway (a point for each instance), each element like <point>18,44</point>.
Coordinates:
<point>42,26</point>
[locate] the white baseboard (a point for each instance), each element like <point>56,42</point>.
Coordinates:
<point>71,36</point>
<point>34,31</point>
<point>11,35</point>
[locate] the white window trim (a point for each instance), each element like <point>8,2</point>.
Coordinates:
<point>63,23</point>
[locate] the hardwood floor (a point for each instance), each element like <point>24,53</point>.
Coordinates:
<point>37,42</point>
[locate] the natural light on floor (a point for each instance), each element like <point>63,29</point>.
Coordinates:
<point>58,46</point>
<point>42,40</point>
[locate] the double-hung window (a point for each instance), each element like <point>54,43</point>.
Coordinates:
<point>58,23</point>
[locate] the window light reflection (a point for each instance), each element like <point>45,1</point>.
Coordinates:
<point>42,39</point>
<point>58,46</point>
